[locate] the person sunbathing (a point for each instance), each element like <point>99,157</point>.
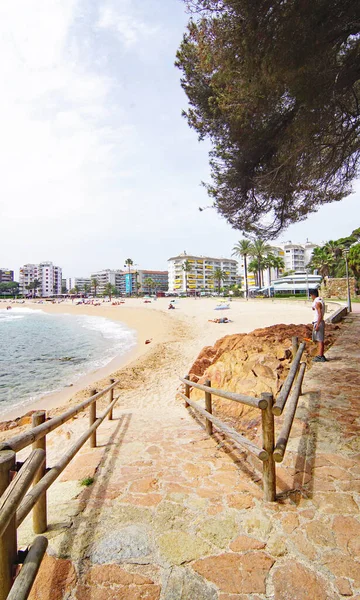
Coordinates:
<point>221,320</point>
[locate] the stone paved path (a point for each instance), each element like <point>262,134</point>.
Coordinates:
<point>173,516</point>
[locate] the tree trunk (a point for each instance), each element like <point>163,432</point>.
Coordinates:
<point>246,280</point>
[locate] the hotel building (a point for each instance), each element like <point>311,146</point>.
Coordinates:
<point>160,279</point>
<point>6,275</point>
<point>48,276</point>
<point>104,277</point>
<point>295,257</point>
<point>130,282</point>
<point>200,277</point>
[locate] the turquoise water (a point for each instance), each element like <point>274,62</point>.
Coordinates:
<point>42,353</point>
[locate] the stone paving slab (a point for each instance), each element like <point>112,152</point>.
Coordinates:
<point>175,515</point>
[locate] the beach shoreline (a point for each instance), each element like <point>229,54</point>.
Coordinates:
<point>136,318</point>
<point>187,327</point>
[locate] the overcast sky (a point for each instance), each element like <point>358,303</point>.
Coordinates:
<point>98,164</point>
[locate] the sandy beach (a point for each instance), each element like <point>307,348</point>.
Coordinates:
<point>187,328</point>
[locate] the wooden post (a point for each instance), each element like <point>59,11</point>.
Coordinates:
<point>208,408</point>
<point>8,542</point>
<point>295,346</point>
<point>187,390</point>
<point>111,398</point>
<point>268,432</point>
<point>92,419</point>
<point>40,508</point>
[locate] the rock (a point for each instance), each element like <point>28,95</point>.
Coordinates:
<point>125,545</point>
<point>178,547</point>
<point>257,524</point>
<point>243,543</point>
<point>184,584</point>
<point>55,579</point>
<point>218,531</point>
<point>236,573</point>
<point>293,581</point>
<point>250,364</point>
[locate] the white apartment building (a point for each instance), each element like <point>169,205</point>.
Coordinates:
<point>81,282</point>
<point>297,256</point>
<point>48,276</point>
<point>103,278</point>
<point>200,277</point>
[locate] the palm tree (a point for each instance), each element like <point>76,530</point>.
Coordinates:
<point>186,267</point>
<point>278,263</point>
<point>76,289</point>
<point>254,268</point>
<point>137,284</point>
<point>109,290</point>
<point>354,260</point>
<point>219,275</point>
<point>86,288</point>
<point>129,263</point>
<point>30,287</point>
<point>322,261</point>
<point>243,248</point>
<point>36,285</point>
<point>259,250</point>
<point>149,283</point>
<point>94,283</point>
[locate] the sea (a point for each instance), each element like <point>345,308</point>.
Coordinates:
<point>41,353</point>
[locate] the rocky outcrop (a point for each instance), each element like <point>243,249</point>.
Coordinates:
<point>251,364</point>
<point>337,287</point>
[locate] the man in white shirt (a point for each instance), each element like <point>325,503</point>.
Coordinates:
<point>318,334</point>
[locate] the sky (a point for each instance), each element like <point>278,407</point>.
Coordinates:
<point>97,162</point>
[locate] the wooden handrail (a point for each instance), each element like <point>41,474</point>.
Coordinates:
<point>283,438</point>
<point>287,385</point>
<point>17,489</point>
<point>248,400</point>
<point>25,579</point>
<point>32,497</point>
<point>14,506</point>
<point>22,440</point>
<point>234,435</point>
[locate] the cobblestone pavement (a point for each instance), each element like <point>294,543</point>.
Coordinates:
<point>174,515</point>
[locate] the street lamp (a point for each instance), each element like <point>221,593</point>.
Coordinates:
<point>307,283</point>
<point>346,252</point>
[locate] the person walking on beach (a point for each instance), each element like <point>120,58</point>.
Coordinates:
<point>318,334</point>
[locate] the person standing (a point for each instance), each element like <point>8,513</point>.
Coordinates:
<point>318,334</point>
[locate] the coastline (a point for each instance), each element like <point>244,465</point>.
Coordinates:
<point>187,328</point>
<point>134,317</point>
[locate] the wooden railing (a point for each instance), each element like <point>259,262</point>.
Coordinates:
<point>16,503</point>
<point>272,451</point>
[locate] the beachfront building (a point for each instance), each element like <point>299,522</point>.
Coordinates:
<point>268,274</point>
<point>160,281</point>
<point>297,256</point>
<point>200,274</point>
<point>105,277</point>
<point>6,275</point>
<point>47,276</point>
<point>82,283</point>
<point>297,283</point>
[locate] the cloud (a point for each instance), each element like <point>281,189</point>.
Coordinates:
<point>124,21</point>
<point>61,132</point>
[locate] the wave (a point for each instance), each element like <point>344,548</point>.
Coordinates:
<point>11,317</point>
<point>21,310</point>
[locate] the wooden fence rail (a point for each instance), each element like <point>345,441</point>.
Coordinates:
<point>287,385</point>
<point>16,503</point>
<point>270,452</point>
